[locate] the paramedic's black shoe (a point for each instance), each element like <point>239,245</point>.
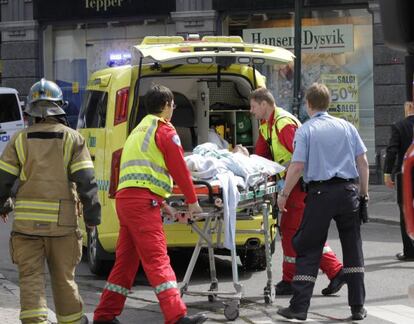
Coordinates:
<point>283,288</point>
<point>114,321</point>
<point>359,312</point>
<point>335,285</point>
<point>290,314</point>
<point>195,319</point>
<point>402,257</point>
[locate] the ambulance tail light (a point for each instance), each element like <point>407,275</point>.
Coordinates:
<point>121,106</point>
<point>115,167</point>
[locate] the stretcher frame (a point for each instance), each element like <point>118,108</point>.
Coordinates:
<point>212,217</point>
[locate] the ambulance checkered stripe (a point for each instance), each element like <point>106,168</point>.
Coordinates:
<point>146,177</point>
<point>165,286</point>
<point>353,270</point>
<point>103,185</point>
<point>304,278</point>
<point>73,318</point>
<point>117,289</point>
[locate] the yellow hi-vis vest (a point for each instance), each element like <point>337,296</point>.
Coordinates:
<point>279,153</point>
<point>142,163</point>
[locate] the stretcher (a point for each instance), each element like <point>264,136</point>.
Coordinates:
<point>209,227</point>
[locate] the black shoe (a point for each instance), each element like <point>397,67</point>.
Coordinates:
<point>283,288</point>
<point>114,321</point>
<point>402,257</point>
<point>290,314</point>
<point>335,285</point>
<point>195,319</point>
<point>359,312</point>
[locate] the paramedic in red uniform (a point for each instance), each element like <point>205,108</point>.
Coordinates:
<point>151,158</point>
<point>275,142</point>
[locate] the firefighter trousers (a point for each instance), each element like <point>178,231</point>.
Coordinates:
<point>327,201</point>
<point>141,240</point>
<point>289,225</point>
<point>62,254</point>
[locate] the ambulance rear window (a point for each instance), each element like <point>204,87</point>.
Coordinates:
<point>9,108</point>
<point>93,110</point>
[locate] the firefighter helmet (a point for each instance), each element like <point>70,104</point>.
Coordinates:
<point>45,99</point>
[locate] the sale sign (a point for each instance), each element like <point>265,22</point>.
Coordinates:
<point>344,96</point>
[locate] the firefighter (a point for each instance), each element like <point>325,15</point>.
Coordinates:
<point>56,179</point>
<point>152,154</point>
<point>275,142</point>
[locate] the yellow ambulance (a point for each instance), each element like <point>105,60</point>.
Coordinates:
<point>211,79</point>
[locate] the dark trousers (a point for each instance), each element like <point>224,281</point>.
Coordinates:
<point>327,201</point>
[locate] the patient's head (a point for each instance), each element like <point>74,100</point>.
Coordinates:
<point>241,149</point>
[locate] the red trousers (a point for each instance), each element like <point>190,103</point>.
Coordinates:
<point>141,240</point>
<point>290,223</point>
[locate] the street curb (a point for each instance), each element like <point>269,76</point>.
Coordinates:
<point>383,221</point>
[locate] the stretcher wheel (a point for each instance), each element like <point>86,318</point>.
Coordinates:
<point>268,299</point>
<point>267,292</point>
<point>212,298</point>
<point>231,311</point>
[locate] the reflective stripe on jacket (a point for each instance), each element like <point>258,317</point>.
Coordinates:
<point>281,118</point>
<point>142,163</point>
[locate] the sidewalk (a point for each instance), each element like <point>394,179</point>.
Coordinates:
<point>382,209</point>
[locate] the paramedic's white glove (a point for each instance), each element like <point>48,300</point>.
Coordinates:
<point>194,209</point>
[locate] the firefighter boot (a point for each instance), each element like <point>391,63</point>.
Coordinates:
<point>114,321</point>
<point>195,319</point>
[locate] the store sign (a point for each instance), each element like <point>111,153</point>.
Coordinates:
<point>104,5</point>
<point>315,39</point>
<point>344,96</point>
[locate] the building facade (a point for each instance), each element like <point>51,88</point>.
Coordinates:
<point>342,46</point>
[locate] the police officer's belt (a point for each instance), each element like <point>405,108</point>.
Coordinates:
<point>331,181</point>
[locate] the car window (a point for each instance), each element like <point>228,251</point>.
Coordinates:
<point>93,110</point>
<point>9,108</point>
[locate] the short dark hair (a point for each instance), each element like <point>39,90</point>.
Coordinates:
<point>156,98</point>
<point>262,94</point>
<point>318,96</point>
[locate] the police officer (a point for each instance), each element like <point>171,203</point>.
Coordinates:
<point>275,142</point>
<point>152,154</point>
<point>56,179</point>
<point>331,155</point>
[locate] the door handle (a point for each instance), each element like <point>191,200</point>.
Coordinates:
<point>93,157</point>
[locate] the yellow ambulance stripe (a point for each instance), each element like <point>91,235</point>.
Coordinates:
<point>73,318</point>
<point>9,168</point>
<point>67,149</point>
<point>81,165</point>
<point>33,313</point>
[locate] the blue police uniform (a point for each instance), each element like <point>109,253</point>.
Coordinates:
<point>328,147</point>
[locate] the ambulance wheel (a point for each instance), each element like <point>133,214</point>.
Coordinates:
<point>94,251</point>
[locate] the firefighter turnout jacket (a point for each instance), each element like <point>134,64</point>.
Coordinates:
<point>56,179</point>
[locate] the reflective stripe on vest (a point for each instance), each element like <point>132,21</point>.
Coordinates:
<point>67,150</point>
<point>165,286</point>
<point>142,163</point>
<point>80,166</point>
<point>289,259</point>
<point>281,118</point>
<point>73,318</point>
<point>9,168</point>
<point>45,211</point>
<point>37,312</point>
<point>117,289</point>
<point>326,249</point>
